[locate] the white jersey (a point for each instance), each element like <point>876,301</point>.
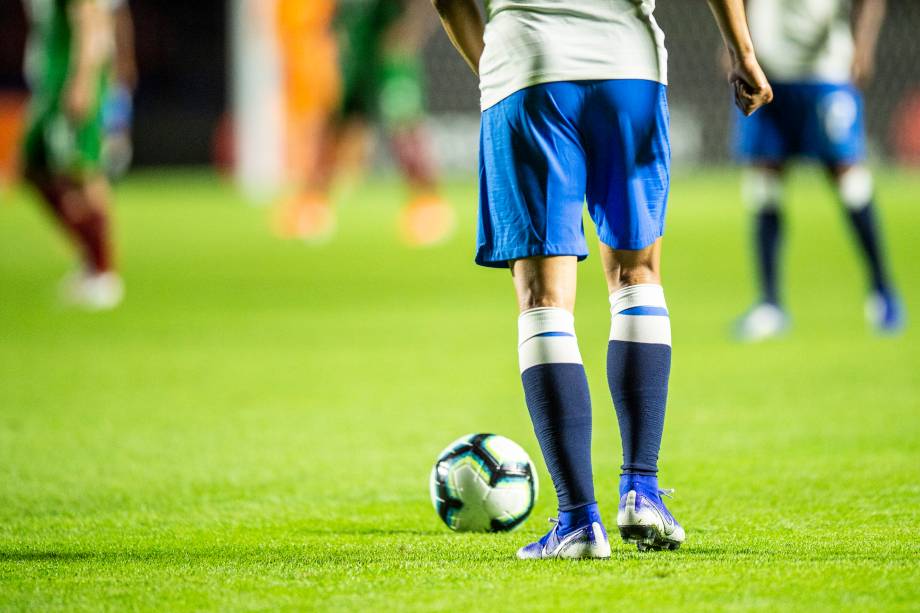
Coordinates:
<point>803,40</point>
<point>540,41</point>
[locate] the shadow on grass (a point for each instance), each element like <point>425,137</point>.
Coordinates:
<point>46,556</point>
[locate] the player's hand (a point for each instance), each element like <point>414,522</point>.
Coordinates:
<point>79,98</point>
<point>752,90</point>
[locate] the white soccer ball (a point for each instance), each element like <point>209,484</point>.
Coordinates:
<point>483,483</point>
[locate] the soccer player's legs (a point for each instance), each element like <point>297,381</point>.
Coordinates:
<point>835,135</point>
<point>559,403</point>
<point>638,370</point>
<point>762,192</point>
<point>855,190</point>
<point>312,96</point>
<point>63,162</point>
<point>764,142</point>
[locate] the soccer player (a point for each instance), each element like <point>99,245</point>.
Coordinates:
<point>817,53</point>
<point>574,106</point>
<point>67,70</point>
<point>380,43</point>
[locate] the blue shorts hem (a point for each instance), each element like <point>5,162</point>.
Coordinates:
<point>499,258</point>
<point>632,244</point>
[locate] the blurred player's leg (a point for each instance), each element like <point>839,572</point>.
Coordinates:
<point>856,192</point>
<point>312,93</point>
<point>556,390</point>
<point>765,141</point>
<point>763,194</point>
<point>427,219</point>
<point>81,209</point>
<point>308,214</point>
<point>638,369</point>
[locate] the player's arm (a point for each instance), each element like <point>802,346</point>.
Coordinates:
<point>412,29</point>
<point>868,16</point>
<point>752,90</point>
<point>465,26</point>
<point>89,22</point>
<point>125,56</point>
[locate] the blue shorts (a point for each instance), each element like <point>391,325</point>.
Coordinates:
<point>546,148</point>
<point>820,121</point>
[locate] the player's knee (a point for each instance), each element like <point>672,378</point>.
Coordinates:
<point>855,187</point>
<point>762,189</point>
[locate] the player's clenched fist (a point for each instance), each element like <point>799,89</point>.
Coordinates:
<point>752,90</point>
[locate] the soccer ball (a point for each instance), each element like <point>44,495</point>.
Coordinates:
<point>483,483</point>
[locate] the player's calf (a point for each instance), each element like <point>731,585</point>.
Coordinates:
<point>856,191</point>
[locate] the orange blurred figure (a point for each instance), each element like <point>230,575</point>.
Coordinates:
<point>312,90</point>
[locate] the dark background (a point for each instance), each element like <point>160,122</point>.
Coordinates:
<point>182,53</point>
<point>182,50</point>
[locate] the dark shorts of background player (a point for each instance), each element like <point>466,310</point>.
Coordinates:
<point>817,121</point>
<point>547,149</point>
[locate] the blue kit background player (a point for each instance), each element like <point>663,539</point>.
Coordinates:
<point>816,53</point>
<point>575,108</point>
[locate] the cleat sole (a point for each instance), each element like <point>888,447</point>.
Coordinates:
<point>647,538</point>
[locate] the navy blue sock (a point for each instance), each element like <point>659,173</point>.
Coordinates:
<point>768,230</point>
<point>865,229</point>
<point>644,484</point>
<point>578,518</point>
<point>556,391</point>
<point>638,369</point>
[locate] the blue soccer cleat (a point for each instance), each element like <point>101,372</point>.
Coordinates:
<point>587,542</point>
<point>642,517</point>
<point>885,312</point>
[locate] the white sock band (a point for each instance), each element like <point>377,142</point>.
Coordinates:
<point>855,187</point>
<point>639,314</point>
<point>547,336</point>
<point>761,189</point>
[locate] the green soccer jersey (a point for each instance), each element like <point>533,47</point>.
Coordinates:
<point>48,51</point>
<point>51,141</point>
<point>378,83</point>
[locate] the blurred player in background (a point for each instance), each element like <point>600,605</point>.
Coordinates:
<point>380,45</point>
<point>817,53</point>
<point>118,109</point>
<point>68,71</point>
<point>574,105</point>
<point>312,86</point>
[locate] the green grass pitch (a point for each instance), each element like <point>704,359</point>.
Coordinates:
<point>255,427</point>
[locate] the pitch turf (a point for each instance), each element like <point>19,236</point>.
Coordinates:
<point>254,428</point>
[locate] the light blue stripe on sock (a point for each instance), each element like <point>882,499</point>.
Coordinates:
<point>553,334</point>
